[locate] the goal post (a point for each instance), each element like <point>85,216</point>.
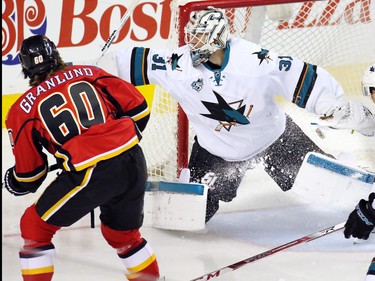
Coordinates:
<point>338,35</point>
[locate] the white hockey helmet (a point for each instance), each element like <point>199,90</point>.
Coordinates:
<point>206,32</point>
<point>368,81</point>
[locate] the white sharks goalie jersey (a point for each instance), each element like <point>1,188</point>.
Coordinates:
<point>233,110</point>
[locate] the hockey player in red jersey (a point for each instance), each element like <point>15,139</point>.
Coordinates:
<point>91,121</point>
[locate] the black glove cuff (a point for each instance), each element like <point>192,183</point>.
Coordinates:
<point>371,198</point>
<point>11,185</point>
<point>370,203</point>
<point>365,212</point>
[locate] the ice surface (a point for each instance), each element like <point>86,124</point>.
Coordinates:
<point>260,218</point>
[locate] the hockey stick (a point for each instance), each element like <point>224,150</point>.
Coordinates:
<point>53,167</point>
<point>296,242</point>
<point>115,32</point>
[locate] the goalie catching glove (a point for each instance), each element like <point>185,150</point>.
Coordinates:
<point>361,221</point>
<point>355,116</point>
<point>11,184</point>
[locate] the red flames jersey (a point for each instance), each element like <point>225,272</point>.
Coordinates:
<point>81,115</point>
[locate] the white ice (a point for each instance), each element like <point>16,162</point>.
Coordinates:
<point>262,217</point>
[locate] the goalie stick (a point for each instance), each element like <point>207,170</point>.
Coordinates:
<point>339,168</point>
<point>115,32</point>
<point>237,265</point>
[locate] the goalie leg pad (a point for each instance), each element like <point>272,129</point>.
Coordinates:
<point>322,179</point>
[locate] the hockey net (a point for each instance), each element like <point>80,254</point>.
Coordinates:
<point>338,35</point>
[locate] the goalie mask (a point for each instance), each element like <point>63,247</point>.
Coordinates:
<point>206,32</point>
<point>38,55</point>
<point>368,82</point>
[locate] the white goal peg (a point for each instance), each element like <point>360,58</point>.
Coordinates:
<point>184,176</point>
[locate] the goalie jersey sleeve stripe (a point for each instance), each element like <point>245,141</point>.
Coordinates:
<point>138,66</point>
<point>305,85</point>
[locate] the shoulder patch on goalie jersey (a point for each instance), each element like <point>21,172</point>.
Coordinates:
<point>263,55</point>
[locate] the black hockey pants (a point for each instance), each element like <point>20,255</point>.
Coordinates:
<point>282,161</point>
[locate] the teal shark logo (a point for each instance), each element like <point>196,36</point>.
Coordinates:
<point>262,55</point>
<point>225,114</point>
<point>173,61</point>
